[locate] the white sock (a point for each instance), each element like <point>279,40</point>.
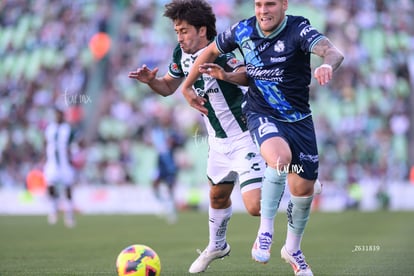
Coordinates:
<point>293,242</point>
<point>217,224</point>
<point>54,206</point>
<point>266,225</point>
<point>69,210</point>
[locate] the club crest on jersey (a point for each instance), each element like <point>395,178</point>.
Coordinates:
<point>233,63</point>
<point>279,46</point>
<point>174,68</point>
<point>250,155</point>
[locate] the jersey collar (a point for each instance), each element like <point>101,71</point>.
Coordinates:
<point>275,32</point>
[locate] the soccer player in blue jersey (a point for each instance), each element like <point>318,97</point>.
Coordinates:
<point>165,138</point>
<point>233,157</point>
<point>276,48</point>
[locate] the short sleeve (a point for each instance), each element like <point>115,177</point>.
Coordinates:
<point>308,35</point>
<point>174,68</point>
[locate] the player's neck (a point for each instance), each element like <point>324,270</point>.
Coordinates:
<point>203,44</point>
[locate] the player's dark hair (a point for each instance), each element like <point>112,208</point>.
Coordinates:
<point>197,13</point>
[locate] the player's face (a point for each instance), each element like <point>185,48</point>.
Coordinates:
<point>270,13</point>
<point>189,38</point>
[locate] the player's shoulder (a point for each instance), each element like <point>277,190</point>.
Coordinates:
<point>174,68</point>
<point>244,23</point>
<point>177,53</point>
<point>297,20</point>
<point>249,20</point>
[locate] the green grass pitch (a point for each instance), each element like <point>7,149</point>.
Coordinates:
<point>347,243</point>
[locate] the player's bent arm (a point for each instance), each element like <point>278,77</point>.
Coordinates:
<point>165,86</point>
<point>330,54</point>
<point>207,56</point>
<point>332,59</point>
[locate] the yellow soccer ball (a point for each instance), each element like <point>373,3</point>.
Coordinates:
<point>138,260</point>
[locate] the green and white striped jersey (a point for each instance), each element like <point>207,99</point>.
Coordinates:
<point>224,99</point>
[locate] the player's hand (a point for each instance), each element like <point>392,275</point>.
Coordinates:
<point>144,74</point>
<point>323,74</point>
<point>194,100</point>
<point>212,69</point>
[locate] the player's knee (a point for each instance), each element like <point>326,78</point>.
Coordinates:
<point>219,200</point>
<point>301,187</point>
<point>220,196</point>
<point>251,200</point>
<point>281,164</point>
<point>253,210</point>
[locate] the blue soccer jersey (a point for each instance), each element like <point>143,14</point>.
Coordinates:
<point>278,65</point>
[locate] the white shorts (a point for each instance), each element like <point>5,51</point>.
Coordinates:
<point>54,174</point>
<point>236,159</point>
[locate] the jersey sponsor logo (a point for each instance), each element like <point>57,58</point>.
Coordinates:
<point>213,91</point>
<point>275,75</point>
<point>308,157</point>
<point>306,30</point>
<point>263,47</point>
<point>201,92</point>
<point>279,46</point>
<point>277,59</point>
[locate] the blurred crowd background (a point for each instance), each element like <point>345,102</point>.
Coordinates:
<point>79,53</point>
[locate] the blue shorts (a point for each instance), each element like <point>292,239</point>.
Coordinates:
<point>167,169</point>
<point>299,135</point>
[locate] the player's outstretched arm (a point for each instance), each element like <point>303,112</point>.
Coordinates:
<point>164,86</point>
<point>195,101</point>
<point>332,59</point>
<point>238,77</point>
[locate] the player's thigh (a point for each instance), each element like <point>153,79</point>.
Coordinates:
<point>305,157</point>
<point>268,134</point>
<point>218,167</point>
<point>276,151</point>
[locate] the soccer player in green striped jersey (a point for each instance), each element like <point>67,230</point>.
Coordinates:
<point>233,157</point>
